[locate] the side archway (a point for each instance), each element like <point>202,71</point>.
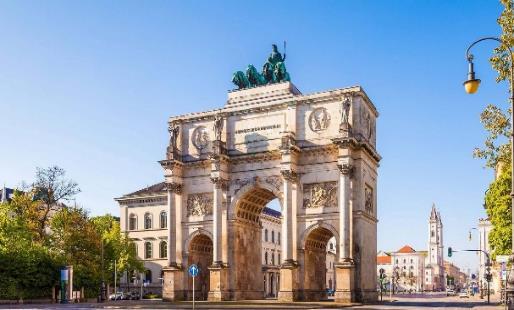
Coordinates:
<point>317,259</point>
<point>199,252</point>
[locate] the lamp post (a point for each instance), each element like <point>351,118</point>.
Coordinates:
<point>471,86</point>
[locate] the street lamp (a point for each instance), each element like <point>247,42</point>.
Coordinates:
<point>471,86</point>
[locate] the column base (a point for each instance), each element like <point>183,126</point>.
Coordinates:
<point>345,292</point>
<point>173,283</point>
<point>288,282</point>
<point>218,282</point>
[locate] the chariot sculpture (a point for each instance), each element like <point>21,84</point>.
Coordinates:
<point>273,71</point>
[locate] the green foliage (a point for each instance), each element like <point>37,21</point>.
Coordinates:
<point>496,147</point>
<point>32,254</point>
<point>501,58</point>
<point>75,241</point>
<point>117,247</point>
<point>495,120</point>
<point>28,269</point>
<point>498,207</point>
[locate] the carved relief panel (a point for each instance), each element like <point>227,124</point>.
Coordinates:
<point>318,195</point>
<point>199,204</point>
<point>368,199</point>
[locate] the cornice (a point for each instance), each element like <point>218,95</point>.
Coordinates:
<point>274,104</point>
<point>142,199</point>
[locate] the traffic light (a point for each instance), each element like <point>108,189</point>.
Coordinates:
<point>450,252</point>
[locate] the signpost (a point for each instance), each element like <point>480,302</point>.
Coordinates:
<point>193,272</point>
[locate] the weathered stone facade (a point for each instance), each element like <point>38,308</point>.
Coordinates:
<point>315,153</point>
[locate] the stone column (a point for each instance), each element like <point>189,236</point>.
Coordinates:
<point>289,267</point>
<point>173,288</point>
<point>219,187</point>
<point>344,212</point>
<point>218,289</point>
<point>345,267</point>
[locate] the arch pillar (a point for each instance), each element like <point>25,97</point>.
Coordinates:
<point>289,268</point>
<point>173,273</point>
<point>219,284</point>
<point>345,267</point>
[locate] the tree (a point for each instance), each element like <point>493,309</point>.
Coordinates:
<point>75,240</point>
<point>498,208</point>
<point>497,148</point>
<point>52,188</point>
<point>27,267</point>
<point>117,247</point>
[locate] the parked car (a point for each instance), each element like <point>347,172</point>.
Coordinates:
<point>117,296</point>
<point>134,295</point>
<point>463,295</point>
<point>450,292</point>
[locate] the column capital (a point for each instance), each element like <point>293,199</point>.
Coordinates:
<point>174,188</point>
<point>290,175</point>
<point>219,183</point>
<point>346,168</point>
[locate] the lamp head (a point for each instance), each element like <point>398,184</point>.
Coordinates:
<point>472,83</point>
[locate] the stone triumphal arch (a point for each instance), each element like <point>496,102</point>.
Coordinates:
<point>315,153</point>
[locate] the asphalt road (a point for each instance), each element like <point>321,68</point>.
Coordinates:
<point>399,302</point>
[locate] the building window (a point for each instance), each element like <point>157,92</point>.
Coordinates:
<point>411,261</point>
<point>432,233</point>
<point>272,258</point>
<point>132,222</point>
<point>148,249</point>
<point>148,221</point>
<point>397,261</point>
<point>266,235</point>
<point>279,259</point>
<point>278,241</point>
<point>404,261</point>
<point>133,247</point>
<point>266,258</point>
<point>272,236</point>
<point>164,219</point>
<point>331,246</point>
<point>148,276</point>
<point>163,249</point>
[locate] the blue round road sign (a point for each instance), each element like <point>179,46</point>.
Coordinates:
<point>193,270</point>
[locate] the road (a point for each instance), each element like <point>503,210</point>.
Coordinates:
<point>400,302</point>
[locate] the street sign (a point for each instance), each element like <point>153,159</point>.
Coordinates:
<point>193,270</point>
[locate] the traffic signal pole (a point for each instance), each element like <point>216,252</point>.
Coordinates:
<point>488,269</point>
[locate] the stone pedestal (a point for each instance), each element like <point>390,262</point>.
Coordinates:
<point>345,292</point>
<point>218,283</point>
<point>288,282</point>
<point>173,284</point>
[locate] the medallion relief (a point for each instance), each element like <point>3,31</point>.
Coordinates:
<point>199,204</point>
<point>319,195</point>
<point>200,137</point>
<point>319,119</point>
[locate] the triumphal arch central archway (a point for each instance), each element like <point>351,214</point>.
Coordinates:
<point>315,153</point>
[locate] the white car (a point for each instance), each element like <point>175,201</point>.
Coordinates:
<point>463,295</point>
<point>117,296</point>
<point>450,292</point>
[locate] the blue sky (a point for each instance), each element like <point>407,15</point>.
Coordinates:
<point>88,86</point>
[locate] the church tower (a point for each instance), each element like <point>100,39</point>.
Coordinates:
<point>435,240</point>
<point>435,257</point>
